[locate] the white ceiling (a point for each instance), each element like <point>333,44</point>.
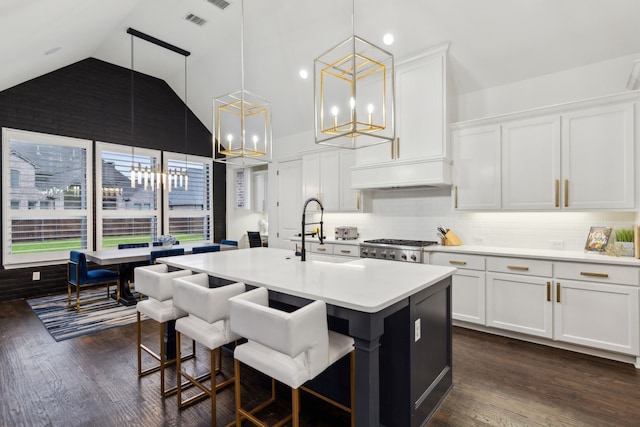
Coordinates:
<point>493,42</point>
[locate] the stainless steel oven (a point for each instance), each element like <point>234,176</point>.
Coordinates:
<point>395,249</point>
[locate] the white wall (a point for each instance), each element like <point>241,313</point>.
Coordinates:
<point>591,81</point>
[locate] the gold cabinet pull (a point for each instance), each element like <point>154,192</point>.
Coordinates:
<point>557,193</point>
<point>457,262</point>
<point>548,291</point>
<point>345,251</point>
<point>558,292</point>
<point>566,193</point>
<point>586,273</point>
<point>455,197</point>
<point>393,143</point>
<point>358,200</point>
<point>518,267</point>
<point>398,147</point>
<point>322,249</point>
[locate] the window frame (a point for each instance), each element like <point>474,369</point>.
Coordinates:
<point>102,214</point>
<point>42,258</point>
<point>206,212</point>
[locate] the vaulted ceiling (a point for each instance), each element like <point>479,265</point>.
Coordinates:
<point>493,42</point>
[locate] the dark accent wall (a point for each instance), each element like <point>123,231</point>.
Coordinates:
<point>91,99</point>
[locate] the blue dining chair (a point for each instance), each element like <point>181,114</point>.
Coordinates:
<point>161,244</point>
<point>203,249</point>
<point>229,242</point>
<point>79,276</point>
<point>133,245</point>
<point>164,253</point>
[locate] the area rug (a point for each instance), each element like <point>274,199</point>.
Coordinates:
<point>97,314</point>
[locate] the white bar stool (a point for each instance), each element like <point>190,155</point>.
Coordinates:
<point>208,324</point>
<point>156,282</point>
<point>292,348</point>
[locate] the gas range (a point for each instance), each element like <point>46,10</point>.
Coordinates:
<point>395,249</point>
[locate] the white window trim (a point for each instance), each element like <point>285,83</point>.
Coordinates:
<point>167,155</point>
<point>44,258</point>
<point>130,213</point>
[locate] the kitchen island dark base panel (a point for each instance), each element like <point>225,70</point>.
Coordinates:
<point>414,376</point>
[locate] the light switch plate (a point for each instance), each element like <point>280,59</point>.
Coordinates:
<point>418,333</point>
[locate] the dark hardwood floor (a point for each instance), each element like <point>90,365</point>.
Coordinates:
<point>92,380</point>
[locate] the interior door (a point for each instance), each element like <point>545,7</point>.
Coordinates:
<point>289,201</point>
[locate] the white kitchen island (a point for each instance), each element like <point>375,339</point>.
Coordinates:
<point>398,313</point>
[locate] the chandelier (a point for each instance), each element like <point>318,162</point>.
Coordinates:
<point>354,94</point>
<point>242,122</point>
<point>153,176</point>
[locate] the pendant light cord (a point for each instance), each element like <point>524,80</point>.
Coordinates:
<point>242,113</point>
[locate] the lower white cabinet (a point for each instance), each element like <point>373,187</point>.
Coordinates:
<point>597,306</point>
<point>597,315</point>
<point>591,305</point>
<point>467,285</point>
<point>520,303</point>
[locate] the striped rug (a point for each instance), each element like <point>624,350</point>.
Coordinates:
<point>97,314</point>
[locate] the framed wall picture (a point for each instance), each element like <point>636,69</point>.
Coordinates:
<point>598,239</point>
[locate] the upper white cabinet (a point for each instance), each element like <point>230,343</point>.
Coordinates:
<point>575,156</point>
<point>476,159</point>
<point>420,153</point>
<point>327,177</point>
<point>598,157</point>
<point>531,163</point>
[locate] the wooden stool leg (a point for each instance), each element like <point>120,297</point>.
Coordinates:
<point>236,372</point>
<point>178,369</point>
<point>295,407</point>
<point>213,387</point>
<point>162,358</point>
<point>139,328</point>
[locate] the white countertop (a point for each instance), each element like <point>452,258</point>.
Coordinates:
<point>547,254</point>
<point>366,285</point>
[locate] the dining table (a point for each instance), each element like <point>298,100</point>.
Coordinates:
<point>129,258</point>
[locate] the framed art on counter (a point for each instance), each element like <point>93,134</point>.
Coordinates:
<point>598,239</point>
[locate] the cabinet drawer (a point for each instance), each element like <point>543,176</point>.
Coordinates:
<point>469,262</point>
<point>321,248</point>
<point>526,267</point>
<point>598,273</point>
<point>346,250</point>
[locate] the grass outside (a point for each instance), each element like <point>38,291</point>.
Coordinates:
<point>109,242</point>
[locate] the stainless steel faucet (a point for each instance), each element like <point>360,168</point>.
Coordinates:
<point>303,251</point>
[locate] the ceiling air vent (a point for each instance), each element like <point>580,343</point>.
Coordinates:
<point>195,19</point>
<point>222,4</point>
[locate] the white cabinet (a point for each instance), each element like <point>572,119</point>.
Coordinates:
<point>420,153</point>
<point>520,302</point>
<point>592,309</point>
<point>327,177</point>
<point>531,163</point>
<point>476,163</point>
<point>350,198</point>
<point>598,157</point>
<point>577,156</point>
<point>289,204</point>
<point>468,285</point>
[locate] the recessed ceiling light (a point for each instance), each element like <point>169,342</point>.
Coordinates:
<point>52,50</point>
<point>388,39</point>
<point>304,74</point>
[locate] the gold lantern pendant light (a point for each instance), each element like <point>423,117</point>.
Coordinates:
<point>354,94</point>
<point>242,122</point>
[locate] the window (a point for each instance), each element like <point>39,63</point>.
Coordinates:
<point>47,196</point>
<point>129,214</point>
<point>15,178</point>
<point>188,207</point>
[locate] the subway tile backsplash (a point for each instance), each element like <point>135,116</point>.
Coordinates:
<point>415,214</point>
